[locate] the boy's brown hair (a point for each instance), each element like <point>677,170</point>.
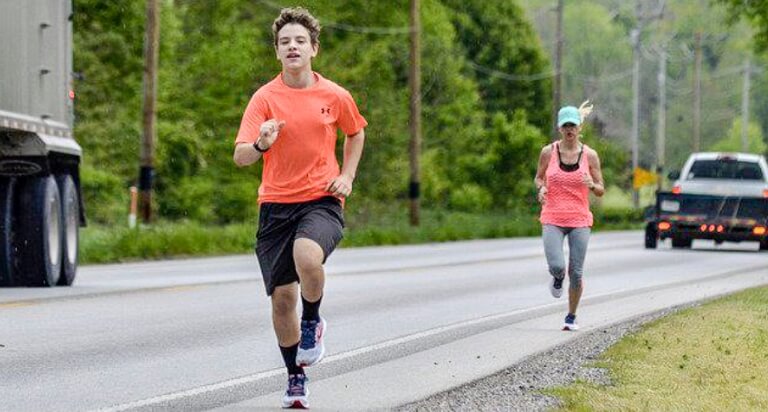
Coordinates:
<point>297,15</point>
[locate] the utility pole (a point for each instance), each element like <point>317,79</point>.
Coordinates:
<point>635,37</point>
<point>146,170</point>
<point>557,81</point>
<point>697,95</point>
<point>745,108</point>
<point>661,125</point>
<point>414,81</point>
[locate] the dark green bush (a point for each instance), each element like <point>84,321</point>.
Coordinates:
<point>105,197</point>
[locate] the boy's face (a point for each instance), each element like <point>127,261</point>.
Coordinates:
<point>294,48</point>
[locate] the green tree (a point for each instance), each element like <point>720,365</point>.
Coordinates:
<point>732,142</point>
<point>754,11</point>
<point>505,54</point>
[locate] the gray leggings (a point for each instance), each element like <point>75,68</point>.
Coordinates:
<point>578,238</point>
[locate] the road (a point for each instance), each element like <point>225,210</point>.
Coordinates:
<point>404,323</point>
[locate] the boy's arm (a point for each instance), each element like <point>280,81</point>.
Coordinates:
<point>247,153</point>
<point>353,152</point>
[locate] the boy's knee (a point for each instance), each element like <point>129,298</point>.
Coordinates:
<point>307,255</point>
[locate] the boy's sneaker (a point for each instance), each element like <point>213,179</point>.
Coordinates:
<point>556,287</point>
<point>296,395</point>
<point>570,322</point>
<point>311,348</point>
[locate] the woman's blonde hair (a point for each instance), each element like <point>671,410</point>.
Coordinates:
<point>585,110</point>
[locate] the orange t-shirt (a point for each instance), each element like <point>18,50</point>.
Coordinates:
<point>302,161</point>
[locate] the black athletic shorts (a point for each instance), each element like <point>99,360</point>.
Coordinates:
<point>320,220</point>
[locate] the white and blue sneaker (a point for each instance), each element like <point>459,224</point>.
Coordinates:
<point>556,287</point>
<point>570,322</point>
<point>296,395</point>
<point>311,347</point>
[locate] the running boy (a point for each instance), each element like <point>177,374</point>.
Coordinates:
<point>291,123</point>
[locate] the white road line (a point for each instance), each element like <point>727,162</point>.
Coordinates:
<point>333,358</point>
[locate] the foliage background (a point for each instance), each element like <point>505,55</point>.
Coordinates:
<point>486,97</point>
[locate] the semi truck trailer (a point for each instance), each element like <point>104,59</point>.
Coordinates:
<point>41,207</point>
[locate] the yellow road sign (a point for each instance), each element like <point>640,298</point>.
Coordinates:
<point>642,177</point>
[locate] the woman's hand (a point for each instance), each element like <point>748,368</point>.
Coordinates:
<point>542,196</point>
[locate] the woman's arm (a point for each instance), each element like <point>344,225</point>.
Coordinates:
<point>541,173</point>
<point>595,179</point>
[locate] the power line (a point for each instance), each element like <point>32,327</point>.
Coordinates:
<point>605,78</point>
<point>511,77</point>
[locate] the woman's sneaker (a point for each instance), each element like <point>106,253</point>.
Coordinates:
<point>570,322</point>
<point>311,347</point>
<point>556,287</point>
<point>296,395</point>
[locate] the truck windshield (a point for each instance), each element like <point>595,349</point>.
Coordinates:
<point>725,169</point>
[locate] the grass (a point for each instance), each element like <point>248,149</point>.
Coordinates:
<point>367,225</point>
<point>102,244</point>
<point>709,358</point>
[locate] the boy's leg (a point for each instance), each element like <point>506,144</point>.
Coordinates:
<point>309,257</point>
<point>284,319</point>
<point>318,234</point>
<point>274,247</point>
<point>286,324</point>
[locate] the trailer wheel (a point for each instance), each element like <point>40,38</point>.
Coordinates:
<point>681,242</point>
<point>651,236</point>
<point>37,242</point>
<point>70,219</point>
<point>6,216</point>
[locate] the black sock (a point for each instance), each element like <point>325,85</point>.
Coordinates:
<point>310,310</point>
<point>289,357</point>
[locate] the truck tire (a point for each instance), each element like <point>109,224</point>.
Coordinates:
<point>37,242</point>
<point>681,243</point>
<point>6,215</point>
<point>651,236</point>
<point>70,219</point>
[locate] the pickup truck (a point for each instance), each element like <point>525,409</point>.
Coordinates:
<point>685,217</point>
<point>717,196</point>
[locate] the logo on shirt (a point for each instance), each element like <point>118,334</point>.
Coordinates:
<point>325,110</point>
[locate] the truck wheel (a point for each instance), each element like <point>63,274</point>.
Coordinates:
<point>681,243</point>
<point>651,236</point>
<point>70,219</point>
<point>6,214</point>
<point>37,242</point>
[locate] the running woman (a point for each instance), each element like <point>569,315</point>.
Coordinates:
<point>568,170</point>
<point>291,123</point>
